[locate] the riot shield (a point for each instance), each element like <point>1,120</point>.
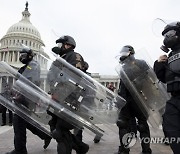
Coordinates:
<point>75,97</point>
<point>148,92</point>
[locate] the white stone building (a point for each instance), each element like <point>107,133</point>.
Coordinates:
<point>107,79</point>
<point>24,32</point>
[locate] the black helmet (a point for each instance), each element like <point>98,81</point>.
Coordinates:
<point>172,26</point>
<point>27,50</point>
<point>126,51</point>
<point>171,35</point>
<point>67,40</point>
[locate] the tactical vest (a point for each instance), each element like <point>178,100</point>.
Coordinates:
<point>173,72</point>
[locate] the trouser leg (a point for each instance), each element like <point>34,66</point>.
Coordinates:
<point>133,125</point>
<point>174,141</point>
<point>63,137</point>
<point>79,146</point>
<point>19,126</point>
<point>171,124</point>
<point>78,133</point>
<point>37,132</point>
<point>123,125</point>
<point>144,135</point>
<point>64,141</point>
<point>10,116</point>
<point>4,115</point>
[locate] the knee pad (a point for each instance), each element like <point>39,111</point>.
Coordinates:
<point>121,123</point>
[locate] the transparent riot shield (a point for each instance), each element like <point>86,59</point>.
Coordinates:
<point>75,97</point>
<point>149,94</point>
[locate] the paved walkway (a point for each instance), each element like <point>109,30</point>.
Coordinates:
<point>108,145</point>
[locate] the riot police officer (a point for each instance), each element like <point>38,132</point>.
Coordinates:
<point>131,110</point>
<point>168,71</point>
<point>59,127</point>
<point>78,132</point>
<point>30,70</point>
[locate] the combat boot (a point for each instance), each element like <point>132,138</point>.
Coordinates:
<point>97,139</point>
<point>83,149</point>
<point>46,143</point>
<point>149,151</point>
<point>3,124</point>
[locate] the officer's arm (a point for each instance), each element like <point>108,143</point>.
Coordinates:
<point>76,60</point>
<point>160,70</point>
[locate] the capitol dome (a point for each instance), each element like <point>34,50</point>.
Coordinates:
<point>23,32</point>
<point>24,27</point>
<point>20,33</point>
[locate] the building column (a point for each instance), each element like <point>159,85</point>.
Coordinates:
<point>44,82</point>
<point>7,58</point>
<point>7,79</point>
<point>3,56</point>
<point>13,58</point>
<point>117,85</point>
<point>14,80</point>
<point>18,55</point>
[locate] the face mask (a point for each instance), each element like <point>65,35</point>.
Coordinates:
<point>122,58</point>
<point>59,50</point>
<point>23,58</point>
<point>56,50</point>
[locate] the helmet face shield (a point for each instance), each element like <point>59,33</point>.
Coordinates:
<point>67,40</point>
<point>124,53</point>
<point>62,39</point>
<point>171,26</point>
<point>59,45</point>
<point>170,33</point>
<point>26,49</point>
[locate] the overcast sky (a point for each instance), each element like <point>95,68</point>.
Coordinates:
<point>100,27</point>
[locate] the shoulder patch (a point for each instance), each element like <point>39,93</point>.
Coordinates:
<point>78,57</point>
<point>28,67</point>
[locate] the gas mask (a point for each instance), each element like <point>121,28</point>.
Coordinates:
<point>171,36</point>
<point>171,39</point>
<point>24,58</point>
<point>60,49</point>
<point>126,52</point>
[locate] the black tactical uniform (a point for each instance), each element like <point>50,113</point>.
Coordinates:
<point>59,127</point>
<point>131,110</point>
<point>31,70</point>
<point>169,73</point>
